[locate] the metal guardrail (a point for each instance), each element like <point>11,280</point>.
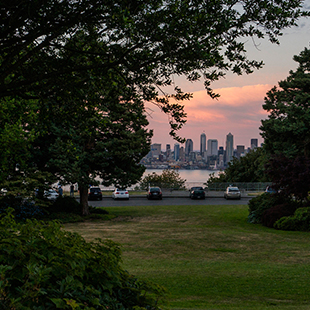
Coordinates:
<point>244,186</point>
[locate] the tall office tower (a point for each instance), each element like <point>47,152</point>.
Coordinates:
<point>240,151</point>
<point>156,149</point>
<point>168,150</point>
<point>229,147</point>
<point>176,151</point>
<point>221,150</point>
<point>182,154</point>
<point>203,143</point>
<point>254,143</point>
<point>212,147</point>
<point>189,146</point>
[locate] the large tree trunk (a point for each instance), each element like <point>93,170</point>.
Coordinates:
<point>84,199</point>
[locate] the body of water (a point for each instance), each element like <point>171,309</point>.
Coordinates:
<point>192,177</point>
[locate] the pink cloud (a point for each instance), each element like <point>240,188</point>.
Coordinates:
<point>238,110</point>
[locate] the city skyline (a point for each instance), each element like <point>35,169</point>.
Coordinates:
<point>239,108</point>
<point>189,145</point>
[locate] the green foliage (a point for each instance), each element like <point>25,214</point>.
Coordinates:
<point>65,204</point>
<point>300,221</point>
<point>23,209</point>
<point>259,204</point>
<point>81,82</point>
<point>271,215</point>
<point>286,130</point>
<point>46,267</point>
<point>169,179</point>
<point>249,168</point>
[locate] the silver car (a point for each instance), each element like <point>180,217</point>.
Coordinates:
<point>120,193</point>
<point>232,192</point>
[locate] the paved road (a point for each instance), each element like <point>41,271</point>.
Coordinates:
<point>134,201</point>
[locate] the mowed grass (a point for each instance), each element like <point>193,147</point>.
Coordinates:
<point>209,257</point>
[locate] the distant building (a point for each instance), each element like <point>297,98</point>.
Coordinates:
<point>240,151</point>
<point>254,143</point>
<point>203,143</point>
<point>156,149</point>
<point>189,147</point>
<point>229,147</point>
<point>221,150</point>
<point>212,149</point>
<point>176,151</point>
<point>182,154</point>
<point>168,150</point>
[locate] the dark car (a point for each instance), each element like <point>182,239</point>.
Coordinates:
<point>94,193</point>
<point>154,193</point>
<point>197,193</point>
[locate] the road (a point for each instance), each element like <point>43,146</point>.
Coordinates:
<point>135,201</point>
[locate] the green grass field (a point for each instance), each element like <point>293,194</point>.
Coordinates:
<point>209,257</point>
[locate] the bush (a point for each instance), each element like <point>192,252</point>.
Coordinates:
<point>300,221</point>
<point>258,205</point>
<point>45,267</point>
<point>271,215</point>
<point>23,209</point>
<point>65,204</point>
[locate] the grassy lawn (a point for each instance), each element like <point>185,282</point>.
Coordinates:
<point>209,257</point>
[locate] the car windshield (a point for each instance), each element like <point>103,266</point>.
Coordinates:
<point>95,189</point>
<point>197,188</point>
<point>121,189</point>
<point>154,189</point>
<point>233,189</point>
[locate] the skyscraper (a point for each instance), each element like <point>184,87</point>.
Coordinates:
<point>212,149</point>
<point>189,146</point>
<point>254,143</point>
<point>203,143</point>
<point>168,150</point>
<point>176,151</point>
<point>229,147</point>
<point>156,149</point>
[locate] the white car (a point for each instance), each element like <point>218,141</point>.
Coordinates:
<point>51,194</point>
<point>120,193</point>
<point>232,192</point>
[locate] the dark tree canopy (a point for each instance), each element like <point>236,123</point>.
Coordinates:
<point>85,68</point>
<point>287,128</point>
<point>249,168</point>
<point>144,41</point>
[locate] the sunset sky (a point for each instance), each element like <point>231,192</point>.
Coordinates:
<point>239,109</point>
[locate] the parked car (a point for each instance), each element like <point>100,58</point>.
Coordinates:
<point>197,193</point>
<point>95,193</point>
<point>154,193</point>
<point>51,194</point>
<point>120,193</point>
<point>232,192</point>
<point>270,190</point>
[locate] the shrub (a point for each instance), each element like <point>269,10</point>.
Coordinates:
<point>258,205</point>
<point>45,267</point>
<point>271,215</point>
<point>23,209</point>
<point>65,204</point>
<point>300,221</point>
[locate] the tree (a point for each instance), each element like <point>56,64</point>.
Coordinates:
<point>144,42</point>
<point>287,128</point>
<point>249,168</point>
<point>92,129</point>
<point>287,131</point>
<point>290,175</point>
<point>168,179</point>
<point>66,53</point>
